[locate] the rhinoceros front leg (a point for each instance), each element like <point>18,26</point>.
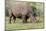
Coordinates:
<point>24,19</point>
<point>33,19</point>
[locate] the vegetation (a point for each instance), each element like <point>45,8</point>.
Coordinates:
<point>19,25</point>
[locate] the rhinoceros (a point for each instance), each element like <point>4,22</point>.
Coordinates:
<point>21,11</point>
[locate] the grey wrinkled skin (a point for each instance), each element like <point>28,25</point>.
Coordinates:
<point>23,12</point>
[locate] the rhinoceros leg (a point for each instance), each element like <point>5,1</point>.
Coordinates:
<point>10,15</point>
<point>24,19</point>
<point>14,18</point>
<point>33,19</point>
<point>10,19</point>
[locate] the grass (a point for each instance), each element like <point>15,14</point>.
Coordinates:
<point>23,26</point>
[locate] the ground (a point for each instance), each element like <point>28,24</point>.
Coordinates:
<point>18,25</point>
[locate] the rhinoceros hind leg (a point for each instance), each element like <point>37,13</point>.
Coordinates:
<point>14,19</point>
<point>10,19</point>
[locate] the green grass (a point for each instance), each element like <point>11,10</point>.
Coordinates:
<point>22,26</point>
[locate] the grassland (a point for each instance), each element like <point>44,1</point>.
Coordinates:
<point>23,26</point>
